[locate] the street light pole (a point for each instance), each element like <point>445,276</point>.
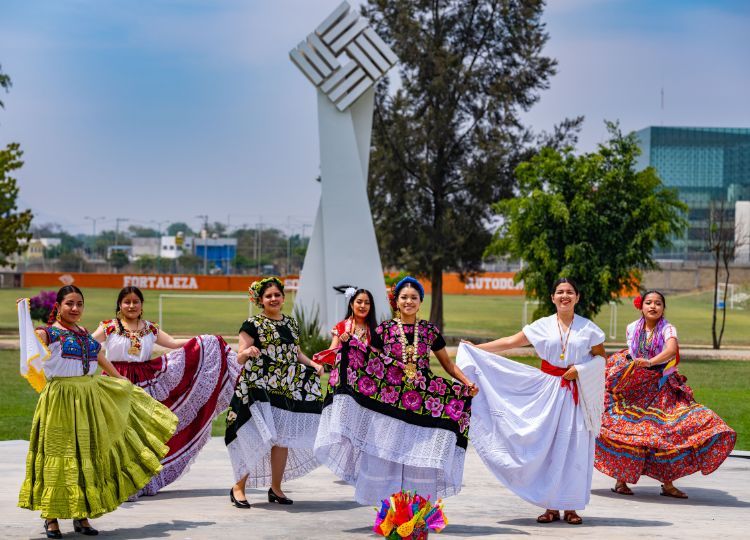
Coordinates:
<point>93,227</point>
<point>117,229</point>
<point>204,236</point>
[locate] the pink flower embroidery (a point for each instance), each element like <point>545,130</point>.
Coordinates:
<point>434,405</point>
<point>394,375</point>
<point>454,409</point>
<point>375,368</point>
<point>356,359</point>
<point>437,386</point>
<point>351,376</point>
<point>333,379</point>
<point>411,400</point>
<point>389,395</point>
<point>367,386</point>
<point>420,380</point>
<point>463,422</point>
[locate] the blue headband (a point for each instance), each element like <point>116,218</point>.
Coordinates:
<point>410,281</point>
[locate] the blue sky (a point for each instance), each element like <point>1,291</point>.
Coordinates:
<point>158,110</point>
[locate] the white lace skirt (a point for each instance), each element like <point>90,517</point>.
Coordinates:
<point>269,426</point>
<point>380,455</point>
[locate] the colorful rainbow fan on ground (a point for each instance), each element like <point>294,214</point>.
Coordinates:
<point>406,515</point>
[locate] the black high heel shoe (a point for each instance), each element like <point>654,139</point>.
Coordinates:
<point>237,503</point>
<point>84,529</point>
<point>272,497</point>
<point>52,534</point>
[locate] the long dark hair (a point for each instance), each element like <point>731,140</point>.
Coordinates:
<point>123,293</point>
<point>370,320</point>
<point>61,294</point>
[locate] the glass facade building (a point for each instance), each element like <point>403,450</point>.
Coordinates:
<point>705,165</point>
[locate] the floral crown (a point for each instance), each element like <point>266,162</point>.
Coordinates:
<point>257,286</point>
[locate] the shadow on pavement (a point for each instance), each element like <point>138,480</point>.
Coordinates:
<point>590,520</point>
<point>186,493</point>
<point>697,497</point>
<point>155,530</point>
<point>308,506</point>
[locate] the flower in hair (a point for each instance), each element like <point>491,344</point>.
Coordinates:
<point>257,286</point>
<point>392,297</point>
<point>638,302</point>
<point>349,293</point>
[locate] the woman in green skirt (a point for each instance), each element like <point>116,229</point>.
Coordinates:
<point>95,441</point>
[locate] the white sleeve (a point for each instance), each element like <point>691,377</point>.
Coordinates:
<point>534,332</point>
<point>668,332</point>
<point>596,335</point>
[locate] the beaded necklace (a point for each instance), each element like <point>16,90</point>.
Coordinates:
<point>361,333</point>
<point>135,338</point>
<point>564,344</point>
<point>408,351</point>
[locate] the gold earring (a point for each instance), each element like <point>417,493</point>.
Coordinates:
<point>118,314</point>
<point>58,317</point>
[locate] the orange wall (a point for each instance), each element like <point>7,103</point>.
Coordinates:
<point>170,282</point>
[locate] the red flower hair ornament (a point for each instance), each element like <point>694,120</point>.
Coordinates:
<point>638,302</point>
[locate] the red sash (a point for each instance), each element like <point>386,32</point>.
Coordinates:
<point>549,369</point>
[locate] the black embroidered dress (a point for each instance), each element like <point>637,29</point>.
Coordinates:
<point>382,431</point>
<point>277,402</point>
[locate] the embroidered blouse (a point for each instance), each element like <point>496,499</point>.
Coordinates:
<point>119,347</point>
<point>72,353</point>
<point>345,327</point>
<point>544,335</point>
<point>669,331</point>
<point>387,338</point>
<point>277,339</point>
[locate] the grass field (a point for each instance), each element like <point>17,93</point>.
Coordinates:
<point>471,316</point>
<point>721,385</point>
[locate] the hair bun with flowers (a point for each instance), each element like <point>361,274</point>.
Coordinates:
<point>638,302</point>
<point>392,297</point>
<point>257,286</point>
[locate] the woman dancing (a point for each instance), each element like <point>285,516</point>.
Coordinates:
<point>95,441</point>
<point>275,411</point>
<point>535,429</point>
<point>196,381</point>
<point>389,423</point>
<point>652,425</point>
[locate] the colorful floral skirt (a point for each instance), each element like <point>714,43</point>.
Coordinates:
<point>275,403</point>
<point>656,431</point>
<point>95,441</point>
<point>196,382</point>
<point>381,434</point>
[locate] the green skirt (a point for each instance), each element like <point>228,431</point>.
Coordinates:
<point>95,441</point>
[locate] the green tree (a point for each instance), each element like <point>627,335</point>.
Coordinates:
<point>179,226</point>
<point>592,218</point>
<point>72,262</point>
<point>446,142</point>
<point>14,225</point>
<point>143,232</point>
<point>118,259</point>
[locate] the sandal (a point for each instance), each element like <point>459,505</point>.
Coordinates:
<point>549,516</point>
<point>673,492</point>
<point>621,488</point>
<point>572,518</point>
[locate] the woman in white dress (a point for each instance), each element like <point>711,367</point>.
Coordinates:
<point>535,429</point>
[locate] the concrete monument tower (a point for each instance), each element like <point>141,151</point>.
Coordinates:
<point>343,58</point>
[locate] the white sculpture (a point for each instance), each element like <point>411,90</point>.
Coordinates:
<point>343,58</point>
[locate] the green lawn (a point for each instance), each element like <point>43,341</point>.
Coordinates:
<point>472,316</point>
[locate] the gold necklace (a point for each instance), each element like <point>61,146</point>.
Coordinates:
<point>564,344</point>
<point>408,351</point>
<point>134,337</point>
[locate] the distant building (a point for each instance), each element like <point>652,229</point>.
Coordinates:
<point>704,165</point>
<point>145,247</point>
<point>37,246</point>
<point>174,246</point>
<point>219,252</point>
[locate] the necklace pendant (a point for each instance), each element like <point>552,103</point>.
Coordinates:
<point>410,371</point>
<point>562,356</point>
<point>134,351</point>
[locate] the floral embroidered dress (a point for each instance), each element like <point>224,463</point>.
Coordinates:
<point>95,441</point>
<point>277,402</point>
<point>652,425</point>
<point>195,381</point>
<point>381,431</point>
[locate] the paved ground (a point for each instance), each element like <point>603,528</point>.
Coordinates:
<point>197,507</point>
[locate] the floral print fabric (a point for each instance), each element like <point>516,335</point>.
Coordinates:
<point>376,381</point>
<point>276,376</point>
<point>660,432</point>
